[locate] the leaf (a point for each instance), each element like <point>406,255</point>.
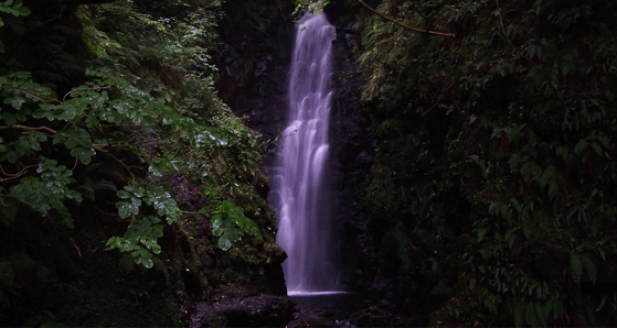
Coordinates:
<point>576,267</point>
<point>224,243</point>
<point>596,148</point>
<point>123,194</point>
<point>217,226</point>
<point>510,237</point>
<point>8,213</point>
<point>546,176</point>
<point>164,204</point>
<point>148,263</point>
<point>602,303</point>
<point>9,119</point>
<point>580,146</point>
<point>518,314</point>
<point>165,164</point>
<point>249,225</point>
<point>562,151</point>
<point>24,11</point>
<point>83,154</point>
<point>540,313</point>
<point>7,275</point>
<point>530,170</point>
<point>590,268</point>
<point>530,315</point>
<point>481,234</point>
<point>17,102</point>
<point>515,159</point>
<point>126,209</point>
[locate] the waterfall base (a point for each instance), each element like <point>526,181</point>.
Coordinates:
<point>318,293</point>
<point>337,308</point>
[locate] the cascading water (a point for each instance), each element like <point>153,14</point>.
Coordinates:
<point>300,183</point>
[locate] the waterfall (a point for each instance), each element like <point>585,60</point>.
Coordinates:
<point>300,182</point>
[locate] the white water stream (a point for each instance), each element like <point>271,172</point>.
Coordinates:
<point>300,181</point>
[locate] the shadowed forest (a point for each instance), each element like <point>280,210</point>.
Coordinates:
<point>473,162</point>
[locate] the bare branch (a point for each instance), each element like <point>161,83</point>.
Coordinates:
<point>411,28</point>
<point>28,128</point>
<point>33,95</point>
<point>11,196</point>
<point>77,248</point>
<point>17,175</point>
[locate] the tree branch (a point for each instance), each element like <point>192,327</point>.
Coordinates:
<point>11,196</point>
<point>33,95</point>
<point>15,176</point>
<point>411,28</point>
<point>28,128</point>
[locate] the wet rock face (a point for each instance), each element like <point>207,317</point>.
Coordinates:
<point>312,322</point>
<point>352,154</point>
<point>238,307</point>
<point>254,62</point>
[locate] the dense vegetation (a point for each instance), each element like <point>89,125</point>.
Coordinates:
<point>129,190</point>
<point>112,138</point>
<point>496,163</point>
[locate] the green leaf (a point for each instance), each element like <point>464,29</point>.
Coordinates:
<point>596,148</point>
<point>126,209</point>
<point>249,225</point>
<point>217,226</point>
<point>9,119</point>
<point>123,194</point>
<point>165,164</point>
<point>224,243</point>
<point>7,275</point>
<point>546,176</point>
<point>576,267</point>
<point>562,151</point>
<point>530,171</point>
<point>515,159</point>
<point>590,268</point>
<point>16,102</point>
<point>148,263</point>
<point>164,204</point>
<point>8,213</point>
<point>580,146</point>
<point>481,234</point>
<point>49,190</point>
<point>518,314</point>
<point>83,154</point>
<point>24,11</point>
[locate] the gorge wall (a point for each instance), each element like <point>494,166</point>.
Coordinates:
<point>254,74</point>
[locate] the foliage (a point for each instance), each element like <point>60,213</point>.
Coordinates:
<point>225,217</point>
<point>14,8</point>
<point>108,122</point>
<point>87,113</point>
<point>117,104</point>
<point>495,164</point>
